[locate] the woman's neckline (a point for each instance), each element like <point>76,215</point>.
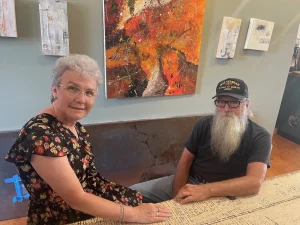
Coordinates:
<point>75,125</point>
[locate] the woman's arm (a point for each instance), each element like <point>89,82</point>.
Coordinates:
<point>57,172</point>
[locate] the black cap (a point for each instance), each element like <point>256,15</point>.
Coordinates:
<point>232,87</point>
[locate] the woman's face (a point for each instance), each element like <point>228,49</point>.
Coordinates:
<point>75,95</point>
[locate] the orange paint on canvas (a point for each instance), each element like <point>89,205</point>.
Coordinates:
<point>162,46</point>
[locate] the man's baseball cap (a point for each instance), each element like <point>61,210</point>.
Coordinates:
<point>232,87</point>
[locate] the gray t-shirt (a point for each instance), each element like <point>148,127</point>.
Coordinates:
<point>255,147</point>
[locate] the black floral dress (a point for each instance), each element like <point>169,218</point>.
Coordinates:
<point>45,135</point>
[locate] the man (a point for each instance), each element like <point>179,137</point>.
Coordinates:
<point>225,155</point>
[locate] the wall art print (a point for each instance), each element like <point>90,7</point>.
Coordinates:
<point>228,38</point>
<point>152,47</point>
<point>259,35</point>
<point>8,26</point>
<point>54,27</point>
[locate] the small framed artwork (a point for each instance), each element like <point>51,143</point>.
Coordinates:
<point>228,38</point>
<point>8,26</point>
<point>54,27</point>
<point>259,34</point>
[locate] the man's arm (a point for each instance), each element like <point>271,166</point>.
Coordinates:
<point>182,171</point>
<point>246,185</point>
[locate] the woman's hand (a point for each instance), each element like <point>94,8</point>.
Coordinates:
<point>150,213</point>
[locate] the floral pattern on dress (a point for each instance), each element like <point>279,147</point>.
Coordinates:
<point>45,135</point>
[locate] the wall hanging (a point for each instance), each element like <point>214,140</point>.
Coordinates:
<point>54,27</point>
<point>259,34</point>
<point>152,47</point>
<point>228,38</point>
<point>8,26</point>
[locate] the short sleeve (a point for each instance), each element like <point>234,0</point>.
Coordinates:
<point>38,139</point>
<point>261,148</point>
<point>192,143</point>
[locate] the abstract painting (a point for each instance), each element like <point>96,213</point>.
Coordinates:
<point>152,47</point>
<point>259,35</point>
<point>228,38</point>
<point>54,27</point>
<point>8,26</point>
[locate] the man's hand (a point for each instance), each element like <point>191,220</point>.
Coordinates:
<point>192,193</point>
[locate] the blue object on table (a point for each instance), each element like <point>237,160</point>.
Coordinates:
<point>20,189</point>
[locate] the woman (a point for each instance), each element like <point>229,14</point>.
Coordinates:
<point>55,162</point>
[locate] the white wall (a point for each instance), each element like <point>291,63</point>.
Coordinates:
<point>26,74</point>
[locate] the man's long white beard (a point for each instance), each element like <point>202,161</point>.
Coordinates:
<point>226,133</point>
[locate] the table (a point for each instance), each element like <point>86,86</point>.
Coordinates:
<point>278,202</point>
